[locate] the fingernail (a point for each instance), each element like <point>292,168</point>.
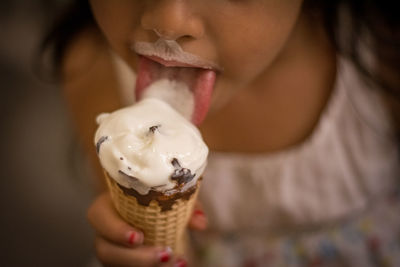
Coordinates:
<point>199,213</point>
<point>135,238</point>
<point>180,263</point>
<point>165,255</point>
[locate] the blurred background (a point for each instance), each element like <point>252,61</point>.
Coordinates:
<point>45,184</point>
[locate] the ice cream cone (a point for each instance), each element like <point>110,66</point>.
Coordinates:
<point>162,225</point>
<point>153,160</point>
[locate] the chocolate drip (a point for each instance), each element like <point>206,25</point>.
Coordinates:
<point>165,200</point>
<point>135,181</point>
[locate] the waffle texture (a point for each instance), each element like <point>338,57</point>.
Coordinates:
<point>163,228</point>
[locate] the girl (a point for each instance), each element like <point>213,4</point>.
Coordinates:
<point>297,100</point>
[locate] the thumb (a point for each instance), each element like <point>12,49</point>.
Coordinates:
<point>198,221</point>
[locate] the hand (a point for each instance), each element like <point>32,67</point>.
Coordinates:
<point>198,221</point>
<point>119,244</point>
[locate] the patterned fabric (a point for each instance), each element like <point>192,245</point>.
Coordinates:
<point>371,239</point>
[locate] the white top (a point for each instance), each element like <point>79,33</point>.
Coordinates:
<point>350,159</point>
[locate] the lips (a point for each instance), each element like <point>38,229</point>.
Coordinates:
<point>200,82</point>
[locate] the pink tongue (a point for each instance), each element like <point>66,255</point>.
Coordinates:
<point>200,81</point>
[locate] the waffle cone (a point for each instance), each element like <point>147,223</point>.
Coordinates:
<point>160,228</point>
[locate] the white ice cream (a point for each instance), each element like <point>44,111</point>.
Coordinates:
<point>137,144</point>
<point>175,93</point>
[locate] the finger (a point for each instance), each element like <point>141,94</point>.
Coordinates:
<point>198,221</point>
<point>176,261</point>
<point>107,223</point>
<point>112,255</point>
<point>179,262</point>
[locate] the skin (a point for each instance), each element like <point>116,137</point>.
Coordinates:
<point>278,70</point>
<point>256,52</point>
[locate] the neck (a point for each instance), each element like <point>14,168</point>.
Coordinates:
<point>282,107</point>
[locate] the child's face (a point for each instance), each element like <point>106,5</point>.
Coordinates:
<point>239,38</point>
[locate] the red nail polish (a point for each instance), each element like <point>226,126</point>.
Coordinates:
<point>132,238</point>
<point>165,255</point>
<point>180,263</point>
<point>135,238</point>
<point>198,213</point>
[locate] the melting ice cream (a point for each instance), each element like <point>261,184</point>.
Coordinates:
<point>150,146</point>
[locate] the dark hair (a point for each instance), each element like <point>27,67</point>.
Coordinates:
<point>374,23</point>
<point>76,16</point>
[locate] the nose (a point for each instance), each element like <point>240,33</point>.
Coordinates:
<point>172,19</point>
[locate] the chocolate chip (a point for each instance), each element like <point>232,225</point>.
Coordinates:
<point>176,163</point>
<point>152,129</point>
<point>121,158</point>
<point>181,175</point>
<point>101,141</point>
<point>129,168</point>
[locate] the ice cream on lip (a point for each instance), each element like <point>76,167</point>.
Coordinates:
<point>165,59</point>
<point>169,51</point>
<point>150,146</point>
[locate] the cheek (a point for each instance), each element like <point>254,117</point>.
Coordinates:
<point>248,46</point>
<point>250,52</point>
<point>116,20</point>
